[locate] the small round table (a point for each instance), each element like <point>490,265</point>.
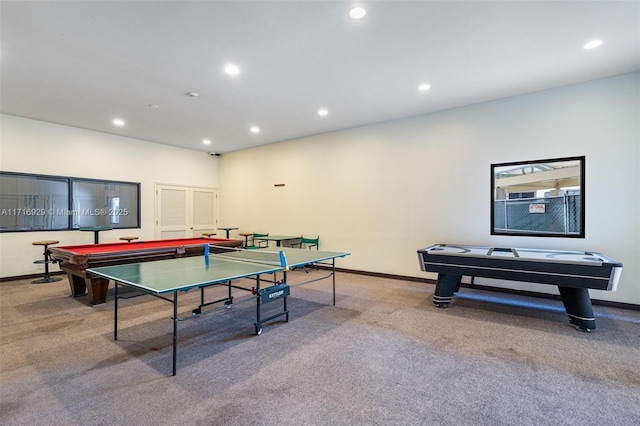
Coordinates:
<point>227,230</point>
<point>128,239</point>
<point>209,234</point>
<point>96,230</point>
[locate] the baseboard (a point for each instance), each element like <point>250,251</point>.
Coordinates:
<point>30,276</point>
<point>620,305</point>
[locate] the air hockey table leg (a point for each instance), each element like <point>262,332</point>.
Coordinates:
<point>578,306</point>
<point>445,287</point>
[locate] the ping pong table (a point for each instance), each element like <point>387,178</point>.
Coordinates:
<point>165,279</point>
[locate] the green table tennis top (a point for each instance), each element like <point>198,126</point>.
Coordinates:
<point>170,275</point>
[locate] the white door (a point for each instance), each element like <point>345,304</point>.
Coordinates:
<point>183,212</point>
<point>203,208</point>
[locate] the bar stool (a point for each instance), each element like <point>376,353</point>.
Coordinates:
<point>47,260</point>
<point>128,239</point>
<point>209,234</point>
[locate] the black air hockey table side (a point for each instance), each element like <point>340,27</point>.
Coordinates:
<point>574,272</point>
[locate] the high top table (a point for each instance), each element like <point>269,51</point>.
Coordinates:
<point>227,230</point>
<point>96,230</point>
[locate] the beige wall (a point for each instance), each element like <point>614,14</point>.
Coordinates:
<point>385,190</point>
<point>32,146</point>
<point>380,191</point>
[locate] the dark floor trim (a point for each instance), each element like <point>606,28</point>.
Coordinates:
<point>621,305</point>
<point>30,276</point>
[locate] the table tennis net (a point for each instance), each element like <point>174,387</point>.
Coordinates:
<point>274,258</point>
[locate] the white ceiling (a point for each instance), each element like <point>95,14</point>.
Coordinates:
<point>85,63</point>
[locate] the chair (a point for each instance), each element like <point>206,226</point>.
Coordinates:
<point>260,244</point>
<point>308,243</point>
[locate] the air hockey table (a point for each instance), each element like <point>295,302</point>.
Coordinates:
<point>574,272</point>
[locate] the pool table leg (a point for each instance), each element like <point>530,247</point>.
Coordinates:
<point>578,306</point>
<point>77,284</point>
<point>97,290</point>
<point>445,287</point>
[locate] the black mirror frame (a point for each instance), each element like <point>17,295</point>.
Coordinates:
<point>581,234</point>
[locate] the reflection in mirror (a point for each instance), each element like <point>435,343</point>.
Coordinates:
<point>538,198</point>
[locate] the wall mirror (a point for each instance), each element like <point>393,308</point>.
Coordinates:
<point>542,198</point>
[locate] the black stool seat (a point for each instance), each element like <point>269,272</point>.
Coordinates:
<point>47,260</point>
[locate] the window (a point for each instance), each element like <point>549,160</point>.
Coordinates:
<point>543,198</point>
<point>105,203</point>
<point>37,202</point>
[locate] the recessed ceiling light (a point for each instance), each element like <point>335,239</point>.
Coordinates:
<point>255,129</point>
<point>357,12</point>
<point>424,87</point>
<point>118,122</point>
<point>231,69</point>
<point>323,112</point>
<point>592,44</point>
<point>206,142</point>
<point>192,94</point>
<point>154,106</point>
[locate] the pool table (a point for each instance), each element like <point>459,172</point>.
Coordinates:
<point>75,260</point>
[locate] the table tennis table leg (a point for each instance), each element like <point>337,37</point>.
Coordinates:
<point>115,312</point>
<point>333,261</point>
<point>258,319</point>
<point>175,329</point>
<point>285,298</point>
